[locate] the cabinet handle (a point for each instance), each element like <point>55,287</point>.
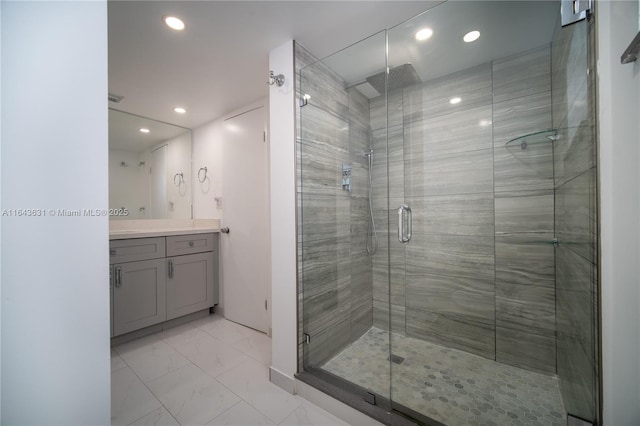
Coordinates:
<point>118,276</point>
<point>171,269</point>
<point>190,243</point>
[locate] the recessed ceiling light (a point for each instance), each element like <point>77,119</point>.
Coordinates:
<point>471,36</point>
<point>144,130</point>
<point>180,110</point>
<point>485,122</point>
<point>174,23</point>
<point>424,34</point>
<point>454,101</point>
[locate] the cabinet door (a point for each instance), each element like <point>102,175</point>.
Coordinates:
<point>190,284</point>
<point>139,295</point>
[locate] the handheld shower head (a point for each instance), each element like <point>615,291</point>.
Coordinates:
<point>372,235</point>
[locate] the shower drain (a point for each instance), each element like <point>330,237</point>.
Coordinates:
<point>396,359</point>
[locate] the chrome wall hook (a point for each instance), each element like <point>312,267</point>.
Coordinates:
<point>278,80</point>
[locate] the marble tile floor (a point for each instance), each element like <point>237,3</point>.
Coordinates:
<point>207,372</point>
<point>449,385</point>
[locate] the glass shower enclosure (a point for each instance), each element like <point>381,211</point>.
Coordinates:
<point>447,227</point>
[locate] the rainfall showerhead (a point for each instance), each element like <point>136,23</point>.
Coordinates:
<point>399,77</point>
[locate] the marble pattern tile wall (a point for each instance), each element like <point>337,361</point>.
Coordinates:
<point>334,270</point>
<point>573,89</point>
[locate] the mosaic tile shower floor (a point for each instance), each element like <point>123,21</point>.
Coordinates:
<point>449,385</point>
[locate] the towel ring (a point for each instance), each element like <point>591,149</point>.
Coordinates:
<point>205,174</point>
<point>180,177</point>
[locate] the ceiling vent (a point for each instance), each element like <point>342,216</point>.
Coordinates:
<point>115,98</point>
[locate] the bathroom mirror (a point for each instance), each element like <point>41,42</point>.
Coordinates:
<point>149,168</point>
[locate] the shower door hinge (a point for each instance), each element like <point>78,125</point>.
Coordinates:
<point>307,338</point>
<point>573,11</point>
<point>370,398</point>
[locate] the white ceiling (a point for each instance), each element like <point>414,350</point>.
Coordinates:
<point>220,62</point>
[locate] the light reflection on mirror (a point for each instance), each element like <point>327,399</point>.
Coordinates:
<point>149,173</point>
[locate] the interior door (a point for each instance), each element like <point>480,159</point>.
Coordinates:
<point>245,249</point>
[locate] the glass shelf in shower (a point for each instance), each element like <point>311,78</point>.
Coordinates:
<point>535,138</point>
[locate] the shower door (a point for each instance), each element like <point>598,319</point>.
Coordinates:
<point>492,215</point>
<point>342,216</point>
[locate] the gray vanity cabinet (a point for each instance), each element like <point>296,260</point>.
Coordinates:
<point>157,279</point>
<point>139,281</point>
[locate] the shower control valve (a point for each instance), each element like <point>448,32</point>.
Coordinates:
<point>346,177</point>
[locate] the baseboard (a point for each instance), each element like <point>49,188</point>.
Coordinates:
<point>219,310</point>
<point>283,381</point>
<point>134,335</point>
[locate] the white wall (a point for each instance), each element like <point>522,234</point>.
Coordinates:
<point>283,220</point>
<point>207,152</point>
<point>619,110</point>
<point>55,289</point>
<point>0,219</point>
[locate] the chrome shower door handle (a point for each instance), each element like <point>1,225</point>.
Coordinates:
<point>404,226</point>
<point>409,223</point>
<point>401,224</point>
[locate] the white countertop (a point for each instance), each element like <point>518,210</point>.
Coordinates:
<point>124,229</point>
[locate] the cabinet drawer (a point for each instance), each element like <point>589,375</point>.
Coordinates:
<point>132,250</point>
<point>188,244</point>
